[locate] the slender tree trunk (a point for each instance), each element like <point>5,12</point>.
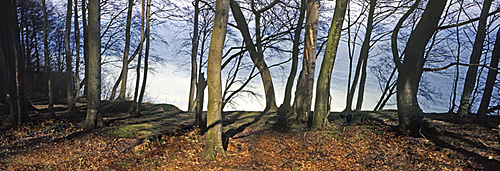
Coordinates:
<point>94,65</point>
<point>410,71</point>
<point>304,92</point>
<point>10,49</point>
<point>146,56</point>
<point>361,65</point>
<point>3,79</point>
<point>200,121</point>
<point>490,82</point>
<point>470,79</point>
<point>85,46</point>
<point>194,54</point>
<point>69,60</point>
<point>138,70</point>
<point>256,55</point>
<point>77,47</point>
<point>48,68</point>
<point>123,89</point>
<point>322,104</point>
<point>285,107</point>
<point>213,144</point>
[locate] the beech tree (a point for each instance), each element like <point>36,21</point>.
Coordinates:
<point>322,103</point>
<point>94,74</point>
<point>304,91</point>
<point>48,68</point>
<point>213,144</point>
<point>69,70</point>
<point>125,62</point>
<point>411,68</point>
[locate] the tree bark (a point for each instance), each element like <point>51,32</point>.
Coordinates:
<point>322,104</point>
<point>194,54</point>
<point>85,46</point>
<point>470,79</point>
<point>213,144</point>
<point>285,106</point>
<point>94,75</point>
<point>200,121</point>
<point>138,70</point>
<point>482,113</point>
<point>304,91</point>
<point>124,74</point>
<point>410,71</point>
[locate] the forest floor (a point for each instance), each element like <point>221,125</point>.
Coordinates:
<point>162,138</point>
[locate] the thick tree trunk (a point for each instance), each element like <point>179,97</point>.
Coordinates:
<point>48,68</point>
<point>410,71</point>
<point>490,82</point>
<point>470,79</point>
<point>213,144</point>
<point>94,65</point>
<point>322,104</point>
<point>194,54</point>
<point>10,48</point>
<point>284,109</point>
<point>69,59</point>
<point>124,74</point>
<point>304,92</point>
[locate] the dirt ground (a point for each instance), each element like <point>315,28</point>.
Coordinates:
<point>164,139</point>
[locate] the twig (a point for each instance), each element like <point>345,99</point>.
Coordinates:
<point>483,142</point>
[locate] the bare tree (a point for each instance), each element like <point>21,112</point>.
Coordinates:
<point>213,145</point>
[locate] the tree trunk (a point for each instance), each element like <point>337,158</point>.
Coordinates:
<point>304,91</point>
<point>48,68</point>
<point>410,71</point>
<point>213,144</point>
<point>285,107</point>
<point>146,56</point>
<point>10,48</point>
<point>361,65</point>
<point>85,46</point>
<point>200,121</point>
<point>138,70</point>
<point>94,65</point>
<point>194,54</point>
<point>322,104</point>
<point>123,89</point>
<point>69,60</point>
<point>490,82</point>
<point>470,79</point>
<point>77,47</point>
<point>256,55</point>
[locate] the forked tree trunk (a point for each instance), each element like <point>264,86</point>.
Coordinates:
<point>285,107</point>
<point>213,142</point>
<point>146,56</point>
<point>123,88</point>
<point>322,104</point>
<point>304,92</point>
<point>94,75</point>
<point>194,54</point>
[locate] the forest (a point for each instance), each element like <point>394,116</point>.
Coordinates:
<point>417,81</point>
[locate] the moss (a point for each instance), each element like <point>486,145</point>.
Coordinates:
<point>133,131</point>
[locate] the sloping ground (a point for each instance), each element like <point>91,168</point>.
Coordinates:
<point>365,143</point>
